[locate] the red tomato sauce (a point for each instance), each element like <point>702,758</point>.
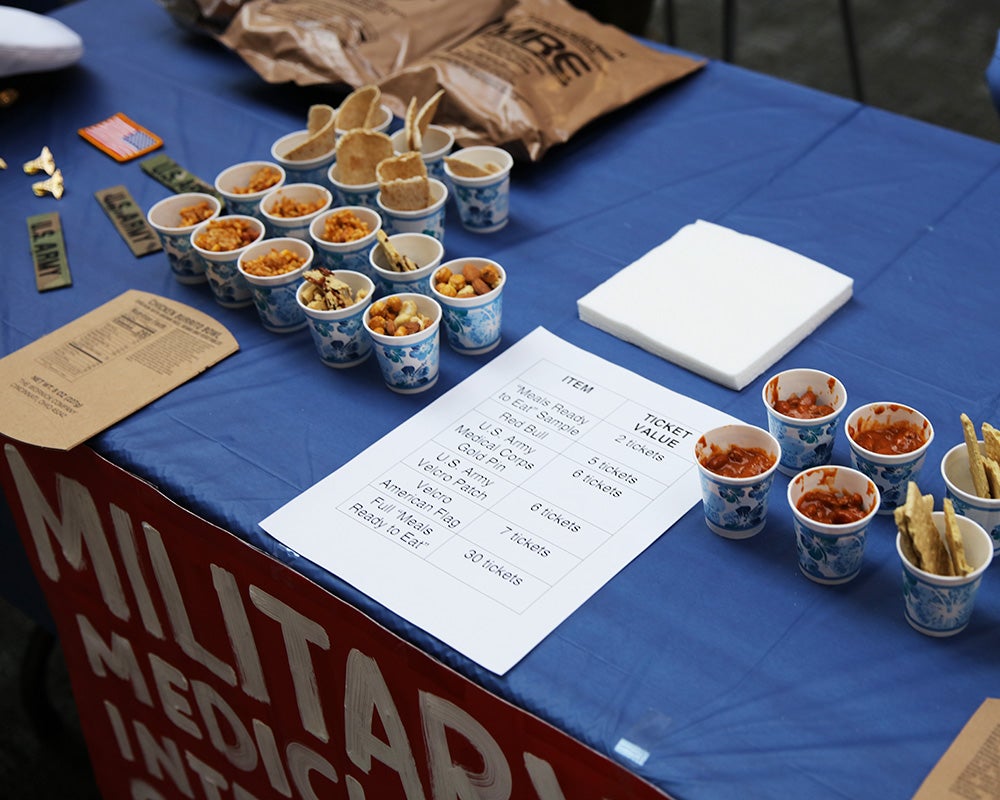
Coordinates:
<point>802,407</point>
<point>890,439</point>
<point>832,507</point>
<point>738,462</point>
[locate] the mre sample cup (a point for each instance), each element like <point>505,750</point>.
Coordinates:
<point>805,433</point>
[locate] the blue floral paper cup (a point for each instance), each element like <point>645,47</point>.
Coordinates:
<point>229,287</point>
<point>233,182</point>
<point>429,220</point>
<point>274,295</point>
<point>353,255</point>
<point>310,195</point>
<point>958,487</point>
<point>471,324</point>
<point>339,334</point>
<point>409,364</point>
<point>736,508</point>
<point>939,605</point>
<point>425,251</point>
<point>353,194</point>
<point>805,441</point>
<point>437,143</point>
<point>483,201</point>
<point>829,552</point>
<point>165,217</point>
<point>890,471</point>
<point>312,170</point>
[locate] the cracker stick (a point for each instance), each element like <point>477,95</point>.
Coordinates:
<point>976,467</point>
<point>953,539</point>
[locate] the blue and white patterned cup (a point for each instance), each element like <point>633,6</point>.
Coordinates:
<point>353,194</point>
<point>274,296</point>
<point>831,553</point>
<point>409,364</point>
<point>185,263</point>
<point>428,220</point>
<point>483,201</point>
<point>436,144</point>
<point>238,176</point>
<point>297,227</point>
<point>472,324</point>
<point>425,251</point>
<point>339,334</point>
<point>229,287</point>
<point>958,487</point>
<point>805,442</point>
<point>890,471</point>
<point>735,508</point>
<point>311,170</point>
<point>353,255</point>
<point>940,605</point>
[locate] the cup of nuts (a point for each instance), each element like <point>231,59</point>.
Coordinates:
<point>470,291</point>
<point>404,330</point>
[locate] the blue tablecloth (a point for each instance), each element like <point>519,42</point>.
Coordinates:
<point>740,677</point>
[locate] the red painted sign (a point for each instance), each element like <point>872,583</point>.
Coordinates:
<point>203,668</point>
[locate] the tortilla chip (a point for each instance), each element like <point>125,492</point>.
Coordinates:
<point>427,111</point>
<point>358,107</point>
<point>406,194</point>
<point>468,169</point>
<point>975,457</point>
<point>322,135</point>
<point>359,152</point>
<point>953,539</point>
<point>401,167</point>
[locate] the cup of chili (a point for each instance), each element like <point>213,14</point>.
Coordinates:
<point>889,442</point>
<point>832,507</point>
<point>736,464</point>
<point>803,413</point>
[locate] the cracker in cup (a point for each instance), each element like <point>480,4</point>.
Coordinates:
<point>359,152</point>
<point>418,118</point>
<point>920,541</point>
<point>984,469</point>
<point>403,182</point>
<point>322,135</point>
<point>360,109</point>
<point>467,169</point>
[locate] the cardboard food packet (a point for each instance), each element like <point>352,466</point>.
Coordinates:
<point>209,16</point>
<point>534,78</point>
<point>352,42</point>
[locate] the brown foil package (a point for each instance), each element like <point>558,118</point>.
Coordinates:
<point>534,78</point>
<point>354,42</point>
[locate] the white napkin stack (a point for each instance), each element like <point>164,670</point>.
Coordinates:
<point>719,303</point>
<point>31,42</point>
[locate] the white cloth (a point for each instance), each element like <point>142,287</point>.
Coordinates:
<point>31,42</point>
<point>722,304</point>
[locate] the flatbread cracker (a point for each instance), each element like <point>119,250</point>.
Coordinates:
<point>953,539</point>
<point>991,439</point>
<point>427,112</point>
<point>976,467</point>
<point>406,194</point>
<point>468,169</point>
<point>993,477</point>
<point>401,167</point>
<point>359,152</point>
<point>414,138</point>
<point>919,526</point>
<point>322,137</point>
<point>358,108</point>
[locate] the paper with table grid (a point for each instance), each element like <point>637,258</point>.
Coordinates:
<point>490,516</point>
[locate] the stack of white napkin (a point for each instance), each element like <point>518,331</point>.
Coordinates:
<point>31,42</point>
<point>719,303</point>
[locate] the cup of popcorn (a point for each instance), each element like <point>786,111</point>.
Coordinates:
<point>736,465</point>
<point>480,180</point>
<point>803,409</point>
<point>343,238</point>
<point>273,268</point>
<point>428,220</point>
<point>404,331</point>
<point>219,242</point>
<point>289,210</point>
<point>470,291</point>
<point>889,443</point>
<point>174,219</point>
<point>302,170</point>
<point>436,143</point>
<point>353,194</point>
<point>244,185</point>
<point>413,259</point>
<point>334,303</point>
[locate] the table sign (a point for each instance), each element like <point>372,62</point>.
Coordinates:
<point>507,502</point>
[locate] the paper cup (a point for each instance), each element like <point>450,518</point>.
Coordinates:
<point>274,296</point>
<point>409,364</point>
<point>185,263</point>
<point>436,144</point>
<point>483,202</point>
<point>312,170</point>
<point>806,442</point>
<point>239,176</point>
<point>428,220</point>
<point>339,334</point>
<point>353,194</point>
<point>295,227</point>
<point>471,324</point>
<point>984,511</point>
<point>426,252</point>
<point>353,255</point>
<point>229,287</point>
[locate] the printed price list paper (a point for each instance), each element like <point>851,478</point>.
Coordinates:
<point>507,502</point>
